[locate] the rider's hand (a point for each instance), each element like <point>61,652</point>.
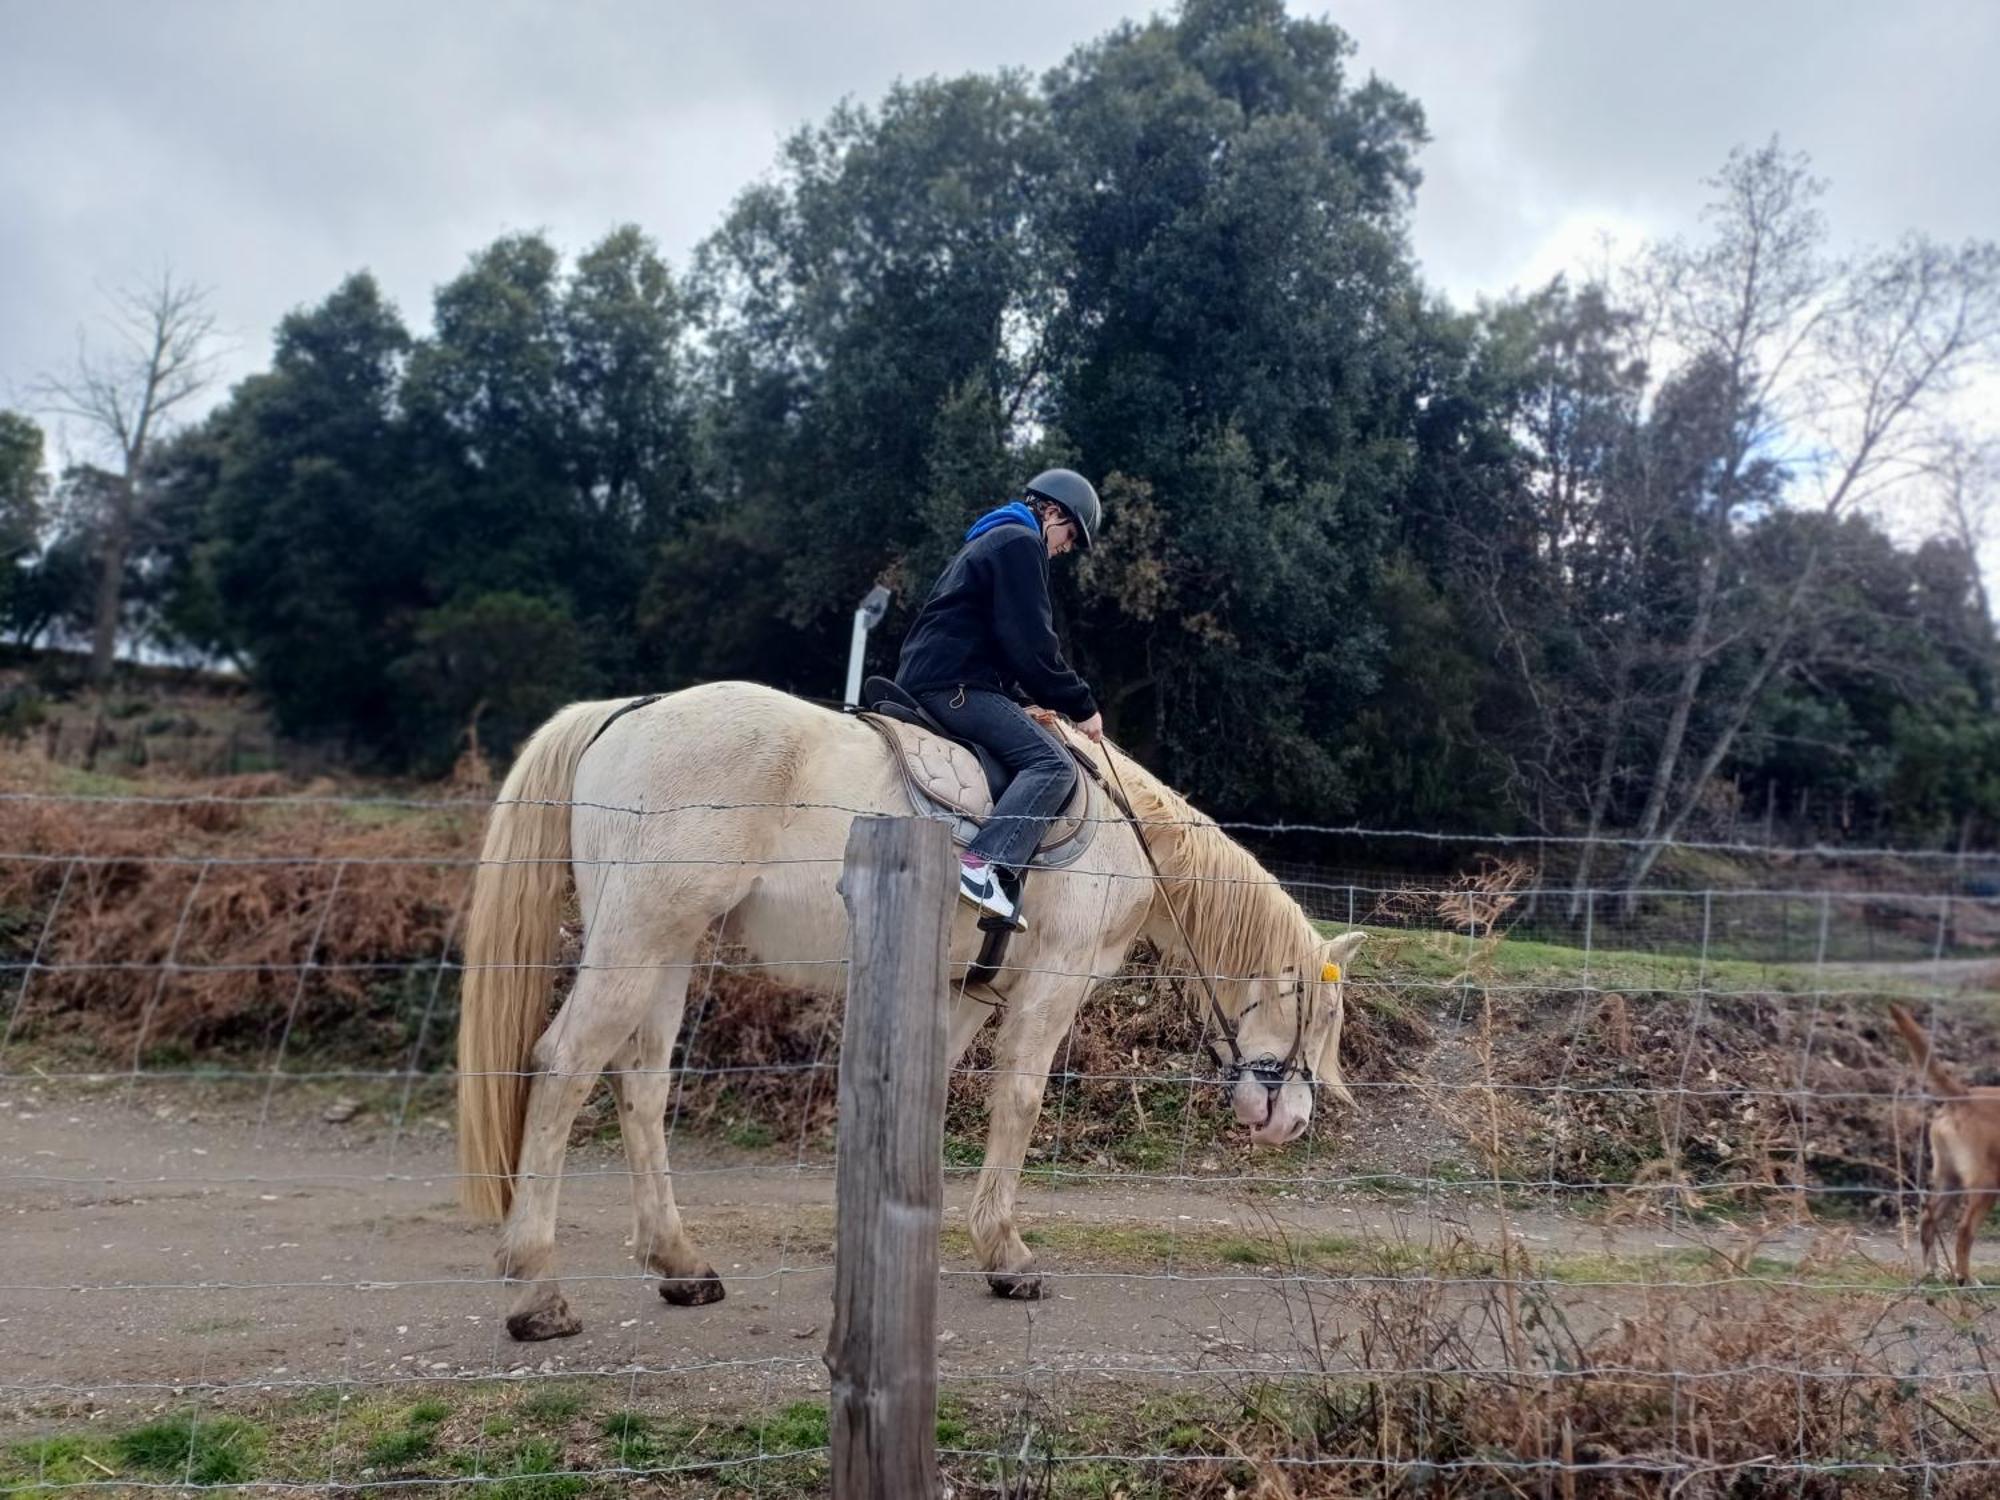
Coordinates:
<point>1093,727</point>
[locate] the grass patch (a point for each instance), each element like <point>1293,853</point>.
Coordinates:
<point>1085,1439</point>
<point>552,1403</point>
<point>751,1135</point>
<point>1212,1248</point>
<point>625,1426</point>
<point>634,1439</point>
<point>54,1461</point>
<point>1418,958</point>
<point>219,1325</point>
<point>397,1450</point>
<point>219,1450</point>
<point>954,1423</point>
<point>964,1150</point>
<point>800,1426</point>
<point>74,781</point>
<point>534,1471</point>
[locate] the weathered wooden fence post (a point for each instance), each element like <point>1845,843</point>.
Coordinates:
<point>889,1178</point>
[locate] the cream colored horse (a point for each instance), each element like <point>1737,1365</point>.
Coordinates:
<point>729,805</point>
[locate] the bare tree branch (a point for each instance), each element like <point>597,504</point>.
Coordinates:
<point>163,355</point>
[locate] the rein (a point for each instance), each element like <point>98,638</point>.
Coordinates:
<point>1268,1071</point>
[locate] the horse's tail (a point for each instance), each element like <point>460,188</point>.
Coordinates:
<point>1945,1083</point>
<point>510,945</point>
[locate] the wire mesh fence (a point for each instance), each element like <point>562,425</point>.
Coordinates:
<point>1626,1201</point>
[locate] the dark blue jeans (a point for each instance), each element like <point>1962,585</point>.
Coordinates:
<point>1043,775</point>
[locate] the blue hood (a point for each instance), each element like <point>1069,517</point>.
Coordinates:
<point>1014,513</point>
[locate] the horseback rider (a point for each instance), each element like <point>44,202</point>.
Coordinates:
<point>983,645</point>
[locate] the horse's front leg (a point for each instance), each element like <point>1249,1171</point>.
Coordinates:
<point>1038,1018</point>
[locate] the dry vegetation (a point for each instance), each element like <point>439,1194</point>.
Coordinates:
<point>173,933</point>
<point>1487,1375</point>
<point>237,895</point>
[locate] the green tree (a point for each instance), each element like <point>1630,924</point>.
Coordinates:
<point>52,592</point>
<point>23,496</point>
<point>487,417</point>
<point>495,663</point>
<point>878,302</point>
<point>552,427</point>
<point>1235,334</point>
<point>316,553</point>
<point>364,494</point>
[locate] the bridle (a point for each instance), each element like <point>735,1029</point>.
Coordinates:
<point>1272,1072</point>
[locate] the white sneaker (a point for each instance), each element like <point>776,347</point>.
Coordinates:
<point>981,889</point>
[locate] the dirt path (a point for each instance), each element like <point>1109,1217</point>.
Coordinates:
<point>145,1255</point>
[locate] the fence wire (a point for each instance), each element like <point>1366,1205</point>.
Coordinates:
<point>1629,1194</point>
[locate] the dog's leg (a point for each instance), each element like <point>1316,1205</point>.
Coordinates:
<point>1928,1229</point>
<point>1940,1203</point>
<point>1942,1198</point>
<point>1971,1214</point>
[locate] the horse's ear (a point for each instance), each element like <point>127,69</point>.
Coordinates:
<point>1337,951</point>
<point>1334,954</point>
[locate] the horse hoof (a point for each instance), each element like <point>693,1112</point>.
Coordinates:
<point>1015,1288</point>
<point>555,1321</point>
<point>693,1291</point>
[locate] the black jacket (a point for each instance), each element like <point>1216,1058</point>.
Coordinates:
<point>987,624</point>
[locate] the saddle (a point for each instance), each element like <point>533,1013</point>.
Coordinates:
<point>960,782</point>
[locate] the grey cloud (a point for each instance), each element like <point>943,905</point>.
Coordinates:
<point>1547,108</point>
<point>267,149</point>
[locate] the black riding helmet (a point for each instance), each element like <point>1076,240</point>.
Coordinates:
<point>1073,493</point>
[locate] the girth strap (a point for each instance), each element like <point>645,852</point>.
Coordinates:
<point>637,703</point>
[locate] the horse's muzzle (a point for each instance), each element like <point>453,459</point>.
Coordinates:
<point>1275,1115</point>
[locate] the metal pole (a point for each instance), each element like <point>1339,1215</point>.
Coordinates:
<point>867,615</point>
<point>855,648</point>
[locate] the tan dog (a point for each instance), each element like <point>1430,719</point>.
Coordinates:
<point>1965,1148</point>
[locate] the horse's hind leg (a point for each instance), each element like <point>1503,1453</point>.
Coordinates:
<point>659,1242</point>
<point>604,1009</point>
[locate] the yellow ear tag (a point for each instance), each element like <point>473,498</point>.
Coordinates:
<point>1329,973</point>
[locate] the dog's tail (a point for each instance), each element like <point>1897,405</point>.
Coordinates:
<point>1943,1081</point>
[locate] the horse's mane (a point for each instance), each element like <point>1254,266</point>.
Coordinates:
<point>1240,922</point>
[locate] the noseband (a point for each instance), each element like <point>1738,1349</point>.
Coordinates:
<point>1272,1072</point>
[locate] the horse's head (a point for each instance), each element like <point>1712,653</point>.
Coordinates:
<point>1282,1036</point>
<point>1276,1033</point>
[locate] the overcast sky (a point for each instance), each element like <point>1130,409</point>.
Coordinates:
<point>267,147</point>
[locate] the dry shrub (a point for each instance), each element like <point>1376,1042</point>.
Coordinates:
<point>194,922</point>
<point>760,1052</point>
<point>1749,1100</point>
<point>1679,1099</point>
<point>1457,1383</point>
<point>1476,902</point>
